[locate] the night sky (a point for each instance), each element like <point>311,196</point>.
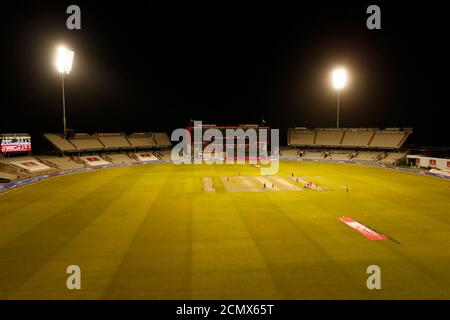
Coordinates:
<point>153,65</point>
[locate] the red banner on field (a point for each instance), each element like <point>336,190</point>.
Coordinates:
<point>365,231</point>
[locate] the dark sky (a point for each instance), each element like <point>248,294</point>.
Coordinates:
<point>153,65</point>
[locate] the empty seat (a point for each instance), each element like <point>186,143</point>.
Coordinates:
<point>300,137</point>
<point>367,156</point>
<point>357,138</point>
<point>142,140</point>
<point>59,142</point>
<point>84,141</point>
<point>113,140</point>
<point>162,139</point>
<point>394,157</point>
<point>328,137</point>
<point>387,139</point>
<point>313,155</point>
<point>28,164</point>
<point>289,153</point>
<point>120,158</point>
<point>342,156</point>
<point>62,163</point>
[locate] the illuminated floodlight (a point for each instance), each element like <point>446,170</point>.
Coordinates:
<point>64,60</point>
<point>339,77</point>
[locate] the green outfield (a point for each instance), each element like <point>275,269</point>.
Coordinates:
<point>154,232</point>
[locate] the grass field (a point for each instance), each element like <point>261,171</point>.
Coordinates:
<point>152,232</point>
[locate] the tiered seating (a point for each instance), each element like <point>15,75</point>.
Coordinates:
<point>84,141</point>
<point>108,141</point>
<point>366,156</point>
<point>120,158</point>
<point>10,170</point>
<point>394,157</point>
<point>388,138</point>
<point>142,140</point>
<point>94,161</point>
<point>145,156</point>
<point>162,139</point>
<point>60,142</point>
<point>113,140</point>
<point>27,164</point>
<point>313,155</point>
<point>165,155</point>
<point>289,153</point>
<point>339,155</point>
<point>6,177</point>
<point>331,137</point>
<point>62,163</point>
<point>301,137</point>
<point>391,138</point>
<point>357,137</point>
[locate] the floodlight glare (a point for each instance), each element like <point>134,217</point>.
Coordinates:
<point>339,78</point>
<point>64,60</point>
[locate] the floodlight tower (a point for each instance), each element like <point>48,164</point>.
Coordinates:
<point>64,60</point>
<point>339,78</point>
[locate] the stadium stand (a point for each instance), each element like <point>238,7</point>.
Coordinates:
<point>357,137</point>
<point>165,154</point>
<point>288,152</point>
<point>7,177</point>
<point>339,155</point>
<point>371,156</point>
<point>301,137</point>
<point>62,163</point>
<point>390,138</point>
<point>81,142</point>
<point>143,157</point>
<point>60,142</point>
<point>393,158</point>
<point>25,164</point>
<point>313,155</point>
<point>113,140</point>
<point>162,139</point>
<point>144,139</point>
<point>84,141</point>
<point>11,170</point>
<point>119,158</point>
<point>93,161</point>
<point>329,137</point>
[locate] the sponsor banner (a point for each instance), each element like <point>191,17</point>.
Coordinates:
<point>362,229</point>
<point>31,165</point>
<point>94,161</point>
<point>146,157</point>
